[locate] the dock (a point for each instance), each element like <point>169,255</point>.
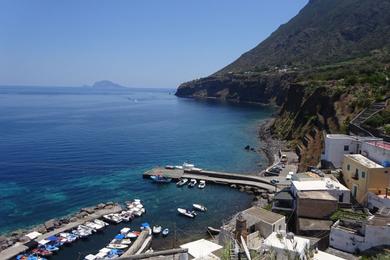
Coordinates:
<point>226,178</point>
<point>139,245</point>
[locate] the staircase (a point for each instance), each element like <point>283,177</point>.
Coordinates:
<point>356,123</point>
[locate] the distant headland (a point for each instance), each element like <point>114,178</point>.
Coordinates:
<point>106,84</point>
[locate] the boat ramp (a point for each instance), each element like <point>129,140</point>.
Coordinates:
<point>262,183</point>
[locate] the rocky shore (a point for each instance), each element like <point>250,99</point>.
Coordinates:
<point>19,237</point>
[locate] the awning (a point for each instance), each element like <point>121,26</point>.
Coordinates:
<point>90,257</point>
<point>201,248</point>
<point>119,236</point>
<point>104,250</point>
<point>43,242</point>
<point>52,238</point>
<point>33,235</point>
<point>145,225</point>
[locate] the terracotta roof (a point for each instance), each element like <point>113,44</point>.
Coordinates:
<point>255,214</point>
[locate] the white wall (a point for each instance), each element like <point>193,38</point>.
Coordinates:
<point>334,148</point>
<point>377,154</point>
<point>378,202</point>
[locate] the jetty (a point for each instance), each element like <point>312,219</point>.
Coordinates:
<point>140,244</point>
<point>226,178</point>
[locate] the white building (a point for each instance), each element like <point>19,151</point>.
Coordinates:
<point>376,202</point>
<point>334,188</point>
<point>353,236</point>
<point>378,151</point>
<point>286,246</point>
<point>336,145</point>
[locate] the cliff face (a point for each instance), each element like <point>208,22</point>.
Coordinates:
<point>321,69</point>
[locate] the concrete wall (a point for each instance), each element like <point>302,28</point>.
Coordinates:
<point>351,242</point>
<point>377,154</point>
<point>266,229</point>
<point>315,208</point>
<point>376,180</point>
<point>334,148</point>
<point>377,202</point>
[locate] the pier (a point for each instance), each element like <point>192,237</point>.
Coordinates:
<point>226,178</point>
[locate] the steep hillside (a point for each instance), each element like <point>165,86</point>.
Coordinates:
<point>321,68</point>
<point>324,31</point>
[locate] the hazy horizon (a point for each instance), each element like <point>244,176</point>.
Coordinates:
<point>132,43</point>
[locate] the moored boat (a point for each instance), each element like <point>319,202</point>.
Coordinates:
<point>182,182</point>
<point>186,212</point>
<point>199,207</point>
<point>160,179</point>
<point>165,232</point>
<point>192,183</point>
<point>202,184</point>
<point>133,234</point>
<point>156,230</point>
<point>213,231</point>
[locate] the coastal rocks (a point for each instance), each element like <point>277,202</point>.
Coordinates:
<point>51,224</point>
<point>249,148</point>
<point>41,229</point>
<point>88,210</point>
<point>100,206</point>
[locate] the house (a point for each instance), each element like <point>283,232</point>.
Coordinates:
<point>315,204</point>
<point>286,246</point>
<point>377,202</point>
<point>252,224</point>
<point>336,145</point>
<point>333,187</point>
<point>377,151</point>
<point>363,175</point>
<point>354,236</point>
<point>283,202</point>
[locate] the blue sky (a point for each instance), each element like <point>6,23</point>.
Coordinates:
<point>140,43</point>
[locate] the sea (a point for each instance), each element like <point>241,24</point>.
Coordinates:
<point>65,148</point>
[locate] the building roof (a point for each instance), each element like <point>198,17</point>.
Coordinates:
<point>283,195</point>
<point>381,144</point>
<point>254,215</point>
<point>364,161</point>
<point>318,184</point>
<point>351,137</point>
<point>321,255</point>
<point>308,224</point>
<point>279,240</point>
<point>201,248</point>
<point>316,195</point>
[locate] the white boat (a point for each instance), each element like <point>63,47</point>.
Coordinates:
<point>186,212</point>
<point>192,183</point>
<point>188,165</point>
<point>182,182</point>
<point>169,167</point>
<point>199,207</point>
<point>156,230</point>
<point>117,246</point>
<point>165,232</point>
<point>126,241</point>
<point>90,257</point>
<point>202,184</point>
<point>133,234</point>
<point>125,230</point>
<point>84,227</point>
<point>179,167</point>
<point>114,218</point>
<point>100,222</point>
<point>95,226</point>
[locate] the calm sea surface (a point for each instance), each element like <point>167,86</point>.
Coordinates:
<point>66,148</point>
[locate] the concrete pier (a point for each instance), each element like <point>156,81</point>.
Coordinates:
<point>215,177</point>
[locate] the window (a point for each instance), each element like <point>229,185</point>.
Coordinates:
<point>348,167</point>
<point>346,147</point>
<point>363,175</point>
<point>356,176</point>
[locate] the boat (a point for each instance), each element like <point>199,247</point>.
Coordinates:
<point>113,218</point>
<point>169,167</point>
<point>156,230</point>
<point>160,179</point>
<point>117,246</point>
<point>199,207</point>
<point>188,165</point>
<point>213,231</point>
<point>165,232</point>
<point>186,212</point>
<point>202,184</point>
<point>125,230</point>
<point>94,226</point>
<point>192,183</point>
<point>126,215</point>
<point>84,227</point>
<point>133,234</point>
<point>178,167</point>
<point>90,257</point>
<point>126,241</point>
<point>29,257</point>
<point>41,252</point>
<point>100,222</point>
<point>182,182</point>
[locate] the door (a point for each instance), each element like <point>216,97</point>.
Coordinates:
<point>354,191</point>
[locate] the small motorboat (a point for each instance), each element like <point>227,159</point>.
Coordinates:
<point>125,230</point>
<point>29,257</point>
<point>169,167</point>
<point>100,222</point>
<point>182,182</point>
<point>178,167</point>
<point>117,246</point>
<point>213,231</point>
<point>90,257</point>
<point>160,179</point>
<point>165,232</point>
<point>199,207</point>
<point>192,183</point>
<point>202,184</point>
<point>156,230</point>
<point>133,234</point>
<point>188,165</point>
<point>113,218</point>
<point>186,212</point>
<point>41,252</point>
<point>126,241</point>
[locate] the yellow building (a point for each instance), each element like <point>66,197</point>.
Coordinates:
<point>361,175</point>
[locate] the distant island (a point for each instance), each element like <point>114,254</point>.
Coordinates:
<point>106,84</point>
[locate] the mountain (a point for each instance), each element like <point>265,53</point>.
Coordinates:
<point>321,69</point>
<point>106,84</point>
<point>324,31</point>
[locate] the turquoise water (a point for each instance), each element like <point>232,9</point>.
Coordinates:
<point>66,148</point>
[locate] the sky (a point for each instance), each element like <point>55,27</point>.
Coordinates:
<point>136,43</point>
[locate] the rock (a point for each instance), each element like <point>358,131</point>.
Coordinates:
<point>73,219</point>
<point>88,210</point>
<point>253,149</point>
<point>100,206</point>
<point>24,239</point>
<point>51,224</point>
<point>247,147</point>
<point>248,188</point>
<point>110,203</point>
<point>264,196</point>
<point>41,229</point>
<point>64,220</point>
<point>81,215</point>
<point>3,239</point>
<point>249,191</point>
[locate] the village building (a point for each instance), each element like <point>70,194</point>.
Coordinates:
<point>354,236</point>
<point>363,175</point>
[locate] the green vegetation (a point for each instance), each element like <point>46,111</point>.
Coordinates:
<point>344,214</point>
<point>381,119</point>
